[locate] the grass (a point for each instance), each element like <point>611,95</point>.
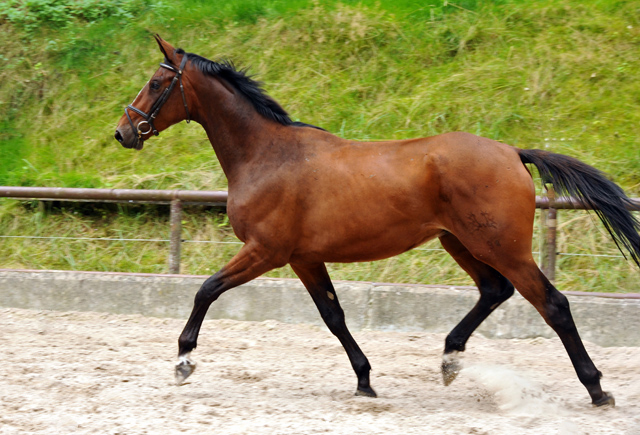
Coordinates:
<point>559,75</point>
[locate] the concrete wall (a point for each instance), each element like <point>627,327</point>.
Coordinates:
<point>607,320</point>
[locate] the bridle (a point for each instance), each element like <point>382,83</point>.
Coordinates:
<point>155,109</point>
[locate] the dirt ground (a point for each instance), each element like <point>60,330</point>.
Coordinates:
<point>94,373</point>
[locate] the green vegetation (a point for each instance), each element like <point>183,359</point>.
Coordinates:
<point>561,75</point>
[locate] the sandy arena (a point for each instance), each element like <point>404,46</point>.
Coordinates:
<point>94,373</point>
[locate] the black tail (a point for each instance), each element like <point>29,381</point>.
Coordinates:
<point>571,177</point>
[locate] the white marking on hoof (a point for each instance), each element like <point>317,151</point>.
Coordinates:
<point>184,368</point>
<point>184,359</point>
<point>451,366</point>
<point>451,357</point>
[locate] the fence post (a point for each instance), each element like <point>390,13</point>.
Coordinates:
<point>549,248</point>
<point>542,239</point>
<point>175,239</point>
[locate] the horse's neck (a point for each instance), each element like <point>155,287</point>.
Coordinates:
<point>233,126</point>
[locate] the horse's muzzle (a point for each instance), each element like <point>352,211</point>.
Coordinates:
<point>129,140</point>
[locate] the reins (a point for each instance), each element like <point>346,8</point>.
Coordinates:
<point>155,109</point>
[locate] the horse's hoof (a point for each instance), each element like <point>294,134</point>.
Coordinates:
<point>184,368</point>
<point>450,368</point>
<point>366,392</point>
<point>606,400</point>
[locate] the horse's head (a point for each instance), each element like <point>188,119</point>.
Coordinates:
<point>160,104</point>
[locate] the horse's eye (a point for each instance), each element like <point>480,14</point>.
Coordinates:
<point>155,86</point>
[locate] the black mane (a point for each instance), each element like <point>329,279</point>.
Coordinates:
<point>244,83</point>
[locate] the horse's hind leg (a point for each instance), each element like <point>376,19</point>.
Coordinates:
<point>494,289</point>
<point>515,262</point>
<point>554,308</point>
<point>316,279</point>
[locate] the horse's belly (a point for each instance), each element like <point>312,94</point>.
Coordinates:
<point>346,247</point>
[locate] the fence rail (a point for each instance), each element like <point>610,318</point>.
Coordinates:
<point>217,197</point>
<point>176,198</point>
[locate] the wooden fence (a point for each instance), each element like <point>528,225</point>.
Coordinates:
<point>550,205</point>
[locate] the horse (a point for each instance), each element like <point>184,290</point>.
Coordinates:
<point>302,196</point>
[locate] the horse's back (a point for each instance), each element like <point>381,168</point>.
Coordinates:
<point>362,201</point>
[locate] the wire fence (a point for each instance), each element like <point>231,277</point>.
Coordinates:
<point>212,242</point>
<point>549,206</point>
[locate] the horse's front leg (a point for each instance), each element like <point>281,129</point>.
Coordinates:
<point>246,265</point>
<point>316,279</point>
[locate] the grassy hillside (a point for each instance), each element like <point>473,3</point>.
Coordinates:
<point>561,75</point>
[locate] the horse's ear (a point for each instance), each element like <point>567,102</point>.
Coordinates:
<point>166,49</point>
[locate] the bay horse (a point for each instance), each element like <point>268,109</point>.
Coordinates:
<point>299,195</point>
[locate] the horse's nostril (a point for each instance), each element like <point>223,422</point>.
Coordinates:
<point>118,136</point>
